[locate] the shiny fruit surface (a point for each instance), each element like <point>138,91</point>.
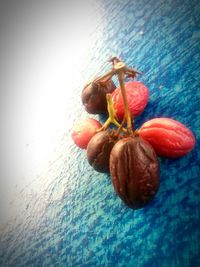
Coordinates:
<point>98,150</point>
<point>137,96</point>
<point>84,131</point>
<point>134,170</point>
<point>94,96</point>
<point>170,138</point>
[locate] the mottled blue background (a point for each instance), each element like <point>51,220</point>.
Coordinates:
<point>87,224</point>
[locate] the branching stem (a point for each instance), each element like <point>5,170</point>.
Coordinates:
<point>120,69</point>
<point>112,115</point>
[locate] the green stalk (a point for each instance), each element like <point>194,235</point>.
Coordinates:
<point>120,67</point>
<point>112,115</point>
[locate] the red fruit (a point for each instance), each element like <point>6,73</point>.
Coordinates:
<point>168,137</point>
<point>84,131</point>
<point>137,97</point>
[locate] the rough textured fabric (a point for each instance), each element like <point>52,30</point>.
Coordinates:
<point>78,220</point>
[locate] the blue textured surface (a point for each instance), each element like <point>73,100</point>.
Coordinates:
<point>78,220</point>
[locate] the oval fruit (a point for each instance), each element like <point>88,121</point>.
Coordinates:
<point>134,170</point>
<point>169,137</point>
<point>137,97</point>
<point>98,150</point>
<point>84,131</point>
<point>94,96</point>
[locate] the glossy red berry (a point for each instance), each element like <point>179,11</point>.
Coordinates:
<point>169,137</point>
<point>137,97</point>
<point>84,131</point>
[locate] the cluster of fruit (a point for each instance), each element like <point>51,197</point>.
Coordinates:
<point>129,155</point>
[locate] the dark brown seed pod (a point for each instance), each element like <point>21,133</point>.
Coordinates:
<point>94,96</point>
<point>98,150</point>
<point>134,170</point>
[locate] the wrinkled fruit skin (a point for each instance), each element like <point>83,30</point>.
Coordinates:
<point>137,97</point>
<point>94,96</point>
<point>98,150</point>
<point>134,170</point>
<point>84,131</point>
<point>168,137</point>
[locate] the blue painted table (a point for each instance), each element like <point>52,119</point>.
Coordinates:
<point>64,213</point>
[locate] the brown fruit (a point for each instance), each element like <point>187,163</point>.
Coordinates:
<point>94,96</point>
<point>134,170</point>
<point>98,150</point>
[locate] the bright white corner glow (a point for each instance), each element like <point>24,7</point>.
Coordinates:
<point>46,46</point>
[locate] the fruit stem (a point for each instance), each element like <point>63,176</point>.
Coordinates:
<point>119,68</point>
<point>120,128</point>
<point>106,76</point>
<point>120,73</point>
<point>112,116</point>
